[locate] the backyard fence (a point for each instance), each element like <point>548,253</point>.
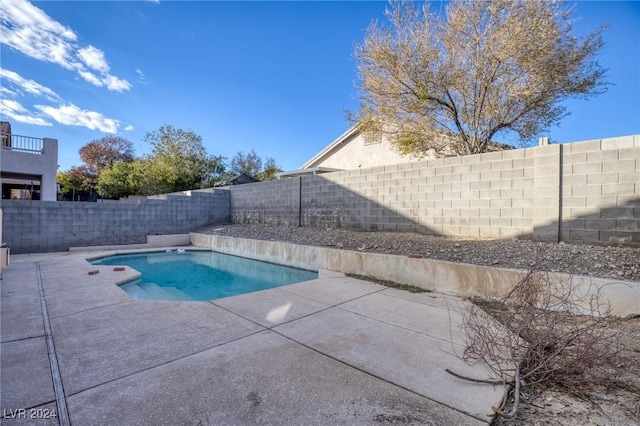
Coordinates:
<point>45,226</point>
<point>582,191</point>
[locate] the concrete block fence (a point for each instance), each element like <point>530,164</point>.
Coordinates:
<point>582,191</point>
<point>45,226</point>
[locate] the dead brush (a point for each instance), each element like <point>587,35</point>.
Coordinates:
<point>546,331</point>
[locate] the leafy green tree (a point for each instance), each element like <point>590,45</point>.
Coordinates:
<point>271,168</point>
<point>179,161</point>
<point>66,186</point>
<point>117,180</point>
<point>78,180</point>
<point>96,155</point>
<point>450,81</point>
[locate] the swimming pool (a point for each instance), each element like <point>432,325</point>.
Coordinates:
<point>201,275</point>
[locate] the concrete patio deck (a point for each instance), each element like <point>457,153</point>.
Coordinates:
<point>335,350</point>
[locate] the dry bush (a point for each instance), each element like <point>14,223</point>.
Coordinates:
<point>548,332</point>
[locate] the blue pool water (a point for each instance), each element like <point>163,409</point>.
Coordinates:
<point>195,275</point>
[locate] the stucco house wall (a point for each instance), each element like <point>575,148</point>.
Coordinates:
<point>351,150</point>
<point>40,166</point>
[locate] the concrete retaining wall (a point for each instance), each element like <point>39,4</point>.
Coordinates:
<point>445,277</point>
<point>45,226</point>
<point>582,191</point>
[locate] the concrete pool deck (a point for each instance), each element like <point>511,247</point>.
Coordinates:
<point>335,350</point>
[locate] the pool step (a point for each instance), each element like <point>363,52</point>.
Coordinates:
<point>181,295</point>
<point>156,292</point>
<point>152,291</point>
<point>136,292</point>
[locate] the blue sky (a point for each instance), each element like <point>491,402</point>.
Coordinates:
<point>276,77</point>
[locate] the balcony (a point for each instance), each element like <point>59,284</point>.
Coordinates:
<point>28,167</point>
<point>22,143</point>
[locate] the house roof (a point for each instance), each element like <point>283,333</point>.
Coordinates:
<point>329,149</point>
<point>240,179</point>
<point>348,135</point>
<point>306,172</point>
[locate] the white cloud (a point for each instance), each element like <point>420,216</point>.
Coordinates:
<point>91,78</point>
<point>68,114</point>
<point>71,115</point>
<point>142,78</point>
<point>29,30</point>
<point>8,92</point>
<point>17,112</point>
<point>116,84</point>
<point>29,86</point>
<point>94,58</point>
<point>32,32</point>
<point>128,128</point>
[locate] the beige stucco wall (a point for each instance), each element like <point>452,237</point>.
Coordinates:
<point>353,153</point>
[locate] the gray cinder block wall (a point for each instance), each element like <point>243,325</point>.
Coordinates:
<point>45,226</point>
<point>581,191</point>
<point>269,203</point>
<point>600,184</point>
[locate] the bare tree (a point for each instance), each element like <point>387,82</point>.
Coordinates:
<point>249,163</point>
<point>253,165</point>
<point>450,80</point>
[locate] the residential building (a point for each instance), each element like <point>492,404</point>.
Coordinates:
<point>351,150</point>
<point>28,166</point>
<point>240,179</point>
<point>354,149</point>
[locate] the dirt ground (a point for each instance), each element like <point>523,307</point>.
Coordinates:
<point>617,404</point>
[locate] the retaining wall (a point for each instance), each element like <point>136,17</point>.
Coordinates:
<point>581,191</point>
<point>436,275</point>
<point>45,226</point>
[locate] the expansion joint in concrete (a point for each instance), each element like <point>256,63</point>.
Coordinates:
<point>379,377</point>
<point>63,414</point>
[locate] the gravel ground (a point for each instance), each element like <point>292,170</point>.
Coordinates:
<point>582,259</point>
